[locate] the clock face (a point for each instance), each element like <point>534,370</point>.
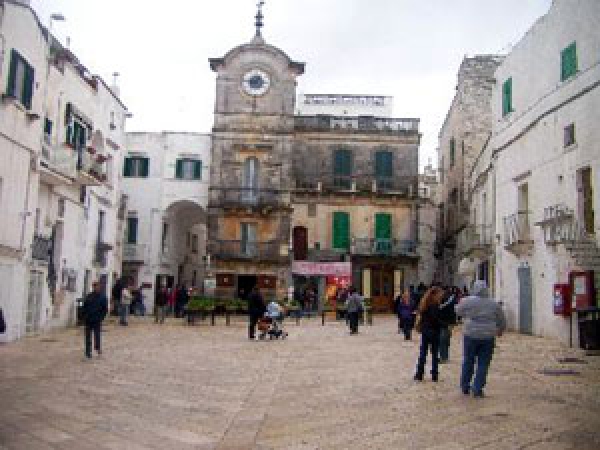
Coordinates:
<point>256,82</point>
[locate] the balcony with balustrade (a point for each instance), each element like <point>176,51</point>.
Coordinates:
<point>383,247</point>
<point>91,167</point>
<point>58,163</point>
<point>270,251</point>
<point>245,198</point>
<point>370,184</point>
<point>517,235</point>
<point>356,124</point>
<point>134,253</point>
<point>476,240</point>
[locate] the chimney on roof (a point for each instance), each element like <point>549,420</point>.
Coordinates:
<point>114,87</point>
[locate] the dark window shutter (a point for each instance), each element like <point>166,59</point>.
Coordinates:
<point>452,151</point>
<point>127,167</point>
<point>28,86</point>
<point>383,164</point>
<point>342,164</point>
<point>568,62</point>
<point>82,139</point>
<point>12,73</point>
<point>383,226</point>
<point>341,230</point>
<point>179,168</point>
<point>145,167</point>
<point>507,97</point>
<point>197,170</point>
<point>132,230</point>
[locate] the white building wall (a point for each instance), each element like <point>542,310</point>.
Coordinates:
<point>529,146</point>
<point>162,198</point>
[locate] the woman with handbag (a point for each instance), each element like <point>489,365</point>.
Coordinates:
<point>428,324</point>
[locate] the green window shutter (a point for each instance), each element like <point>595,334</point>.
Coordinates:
<point>179,169</point>
<point>342,164</point>
<point>145,167</point>
<point>127,167</point>
<point>452,151</point>
<point>27,94</point>
<point>383,226</point>
<point>384,164</point>
<point>82,139</point>
<point>197,170</point>
<point>12,73</point>
<point>69,136</point>
<point>568,62</point>
<point>507,97</point>
<point>132,230</point>
<point>341,230</point>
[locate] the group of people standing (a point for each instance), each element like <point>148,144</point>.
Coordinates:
<point>170,301</point>
<point>436,313</point>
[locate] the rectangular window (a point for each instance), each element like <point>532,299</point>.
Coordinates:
<point>47,131</point>
<point>384,167</point>
<point>101,223</point>
<point>341,230</point>
<point>312,210</point>
<point>61,208</point>
<point>76,134</point>
<point>568,62</point>
<point>507,106</point>
<point>136,167</point>
<point>383,232</point>
<point>132,230</point>
<point>569,135</point>
<point>20,79</point>
<point>248,244</point>
<point>188,169</point>
<point>194,243</point>
<point>452,151</point>
<point>342,168</point>
<point>163,240</point>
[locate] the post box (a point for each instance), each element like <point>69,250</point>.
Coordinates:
<point>562,300</point>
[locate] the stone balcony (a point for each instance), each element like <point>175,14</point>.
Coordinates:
<point>91,167</point>
<point>517,232</point>
<point>134,253</point>
<point>357,183</point>
<point>356,124</point>
<point>270,251</point>
<point>476,240</point>
<point>383,247</point>
<point>239,197</point>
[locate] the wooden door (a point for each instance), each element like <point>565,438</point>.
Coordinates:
<point>300,243</point>
<point>382,289</point>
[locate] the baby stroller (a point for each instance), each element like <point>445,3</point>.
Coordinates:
<point>272,327</point>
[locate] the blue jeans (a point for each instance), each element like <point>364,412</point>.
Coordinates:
<point>445,335</point>
<point>480,350</point>
<point>123,312</point>
<point>429,339</point>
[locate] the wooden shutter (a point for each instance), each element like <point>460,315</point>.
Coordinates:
<point>452,151</point>
<point>28,86</point>
<point>341,230</point>
<point>12,73</point>
<point>145,167</point>
<point>568,62</point>
<point>507,97</point>
<point>383,164</point>
<point>179,168</point>
<point>342,164</point>
<point>197,170</point>
<point>383,226</point>
<point>127,167</point>
<point>132,229</point>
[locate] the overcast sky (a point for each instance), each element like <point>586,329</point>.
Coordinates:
<point>409,49</point>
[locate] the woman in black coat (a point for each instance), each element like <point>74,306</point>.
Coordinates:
<point>256,310</point>
<point>430,324</point>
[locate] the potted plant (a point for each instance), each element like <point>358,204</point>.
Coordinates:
<point>91,150</point>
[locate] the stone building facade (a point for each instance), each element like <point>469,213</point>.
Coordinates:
<point>464,133</point>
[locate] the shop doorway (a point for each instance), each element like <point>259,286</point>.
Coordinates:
<point>245,283</point>
<point>382,289</point>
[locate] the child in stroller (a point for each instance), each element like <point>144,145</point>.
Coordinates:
<point>272,324</point>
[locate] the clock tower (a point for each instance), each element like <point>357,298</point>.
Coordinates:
<point>249,202</point>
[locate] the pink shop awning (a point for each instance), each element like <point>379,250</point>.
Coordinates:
<point>306,268</point>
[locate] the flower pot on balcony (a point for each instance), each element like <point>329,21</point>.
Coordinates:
<point>91,150</point>
<point>101,158</point>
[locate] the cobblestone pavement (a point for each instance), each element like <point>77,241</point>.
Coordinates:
<point>203,387</point>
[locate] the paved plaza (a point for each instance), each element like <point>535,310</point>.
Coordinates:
<point>203,387</point>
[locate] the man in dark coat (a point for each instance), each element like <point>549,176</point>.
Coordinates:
<point>256,310</point>
<point>95,308</point>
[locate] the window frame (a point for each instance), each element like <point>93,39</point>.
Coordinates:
<point>183,173</point>
<point>136,167</point>
<point>507,97</point>
<point>23,80</point>
<point>568,62</point>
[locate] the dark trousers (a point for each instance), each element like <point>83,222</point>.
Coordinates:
<point>89,328</point>
<point>476,351</point>
<point>445,335</point>
<point>407,326</point>
<point>353,321</point>
<point>252,326</point>
<point>430,339</point>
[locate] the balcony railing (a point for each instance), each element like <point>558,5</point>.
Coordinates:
<point>59,159</point>
<point>134,252</point>
<point>101,253</point>
<point>248,197</point>
<point>517,229</point>
<point>477,238</point>
<point>41,248</point>
<point>402,185</point>
<point>389,247</point>
<point>249,250</point>
<point>91,167</point>
<point>364,124</point>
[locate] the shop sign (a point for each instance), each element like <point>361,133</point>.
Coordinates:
<point>306,268</point>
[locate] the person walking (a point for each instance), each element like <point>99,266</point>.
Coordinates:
<point>483,321</point>
<point>181,300</point>
<point>117,291</point>
<point>430,332</point>
<point>354,306</point>
<point>161,304</point>
<point>406,315</point>
<point>125,305</point>
<point>95,308</point>
<point>447,318</point>
<point>256,310</point>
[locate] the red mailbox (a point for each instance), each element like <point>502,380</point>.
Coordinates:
<point>582,288</point>
<point>562,300</point>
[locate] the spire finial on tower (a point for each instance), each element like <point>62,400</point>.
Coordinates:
<point>259,17</point>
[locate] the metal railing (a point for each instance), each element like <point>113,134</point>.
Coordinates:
<point>60,158</point>
<point>41,248</point>
<point>249,197</point>
<point>356,123</point>
<point>406,186</point>
<point>390,247</point>
<point>517,229</point>
<point>270,250</point>
<point>88,164</point>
